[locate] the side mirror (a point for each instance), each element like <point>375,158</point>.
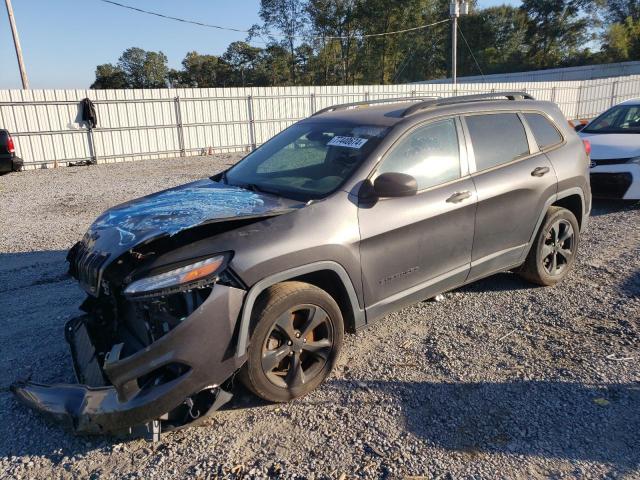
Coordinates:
<point>579,127</point>
<point>394,184</point>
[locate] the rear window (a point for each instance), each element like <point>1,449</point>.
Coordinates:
<point>543,130</point>
<point>497,139</point>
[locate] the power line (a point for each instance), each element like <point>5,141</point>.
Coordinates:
<point>169,17</point>
<point>369,35</point>
<point>471,52</point>
<point>231,29</point>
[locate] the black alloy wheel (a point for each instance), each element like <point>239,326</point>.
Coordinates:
<point>298,346</point>
<point>559,247</point>
<point>554,248</point>
<point>295,341</point>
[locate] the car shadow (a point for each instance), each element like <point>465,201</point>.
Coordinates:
<point>630,286</point>
<point>500,282</point>
<point>601,207</point>
<point>564,420</point>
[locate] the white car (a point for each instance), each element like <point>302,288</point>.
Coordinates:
<point>615,151</point>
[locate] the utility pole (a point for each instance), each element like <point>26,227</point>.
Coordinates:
<point>16,42</point>
<point>457,8</point>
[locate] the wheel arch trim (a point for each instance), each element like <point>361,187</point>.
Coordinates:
<point>262,285</point>
<point>550,201</point>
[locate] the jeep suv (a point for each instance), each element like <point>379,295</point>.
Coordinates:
<point>338,220</point>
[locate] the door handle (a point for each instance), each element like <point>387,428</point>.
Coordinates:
<point>539,171</point>
<point>459,197</point>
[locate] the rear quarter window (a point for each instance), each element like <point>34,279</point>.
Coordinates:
<point>545,133</point>
<point>497,138</point>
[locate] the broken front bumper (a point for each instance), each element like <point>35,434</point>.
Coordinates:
<point>203,345</point>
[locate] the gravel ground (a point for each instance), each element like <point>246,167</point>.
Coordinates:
<point>498,380</point>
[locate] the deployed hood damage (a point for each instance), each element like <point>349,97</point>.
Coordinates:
<point>162,359</point>
<point>172,211</point>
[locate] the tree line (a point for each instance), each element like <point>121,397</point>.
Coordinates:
<point>324,42</point>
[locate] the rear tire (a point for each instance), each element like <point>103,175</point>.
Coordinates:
<point>554,249</point>
<point>296,339</point>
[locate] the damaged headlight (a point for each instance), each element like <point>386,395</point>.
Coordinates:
<point>194,274</point>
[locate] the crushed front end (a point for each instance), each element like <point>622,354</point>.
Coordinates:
<point>145,357</point>
<point>157,339</point>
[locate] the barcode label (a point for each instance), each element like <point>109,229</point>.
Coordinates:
<point>348,142</point>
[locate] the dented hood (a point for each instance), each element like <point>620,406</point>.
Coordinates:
<point>169,212</point>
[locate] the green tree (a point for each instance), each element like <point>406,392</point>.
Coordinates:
<point>622,41</point>
<point>243,60</point>
<point>204,70</point>
<point>109,76</point>
<point>557,30</point>
<point>275,66</point>
<point>289,18</point>
<point>144,69</point>
<point>617,11</point>
<point>336,56</point>
<point>497,37</point>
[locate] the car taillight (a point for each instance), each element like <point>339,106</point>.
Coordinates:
<point>10,145</point>
<point>587,146</point>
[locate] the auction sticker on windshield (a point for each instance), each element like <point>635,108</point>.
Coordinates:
<point>348,142</point>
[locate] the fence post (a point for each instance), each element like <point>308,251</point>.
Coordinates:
<point>553,94</point>
<point>179,126</point>
<point>92,147</point>
<point>312,100</point>
<point>579,103</point>
<point>366,96</point>
<point>252,123</point>
<point>614,93</point>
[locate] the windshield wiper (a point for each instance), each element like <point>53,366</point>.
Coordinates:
<point>257,188</point>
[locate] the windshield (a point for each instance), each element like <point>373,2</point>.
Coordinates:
<point>307,160</point>
<point>620,119</point>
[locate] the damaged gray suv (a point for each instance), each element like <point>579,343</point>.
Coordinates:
<point>338,220</point>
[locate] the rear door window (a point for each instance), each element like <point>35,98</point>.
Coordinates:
<point>497,139</point>
<point>545,133</point>
<point>430,154</point>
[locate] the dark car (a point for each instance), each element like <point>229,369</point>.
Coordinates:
<point>338,220</point>
<point>8,160</point>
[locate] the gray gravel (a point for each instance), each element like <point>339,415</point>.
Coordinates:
<point>497,380</point>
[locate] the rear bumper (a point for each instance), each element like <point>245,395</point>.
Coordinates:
<point>618,181</point>
<point>10,164</point>
<point>203,343</point>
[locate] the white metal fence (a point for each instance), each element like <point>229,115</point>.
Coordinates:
<point>138,124</point>
<point>586,72</point>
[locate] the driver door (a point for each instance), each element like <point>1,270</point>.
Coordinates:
<point>414,247</point>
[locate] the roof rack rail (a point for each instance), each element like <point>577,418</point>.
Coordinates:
<point>466,99</point>
<point>344,106</point>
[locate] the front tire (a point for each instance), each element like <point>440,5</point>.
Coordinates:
<point>553,252</point>
<point>297,336</point>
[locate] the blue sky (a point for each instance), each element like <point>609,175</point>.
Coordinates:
<point>64,40</point>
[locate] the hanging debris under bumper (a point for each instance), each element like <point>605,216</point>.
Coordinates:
<point>174,380</point>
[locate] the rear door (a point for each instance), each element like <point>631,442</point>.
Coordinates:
<point>513,179</point>
<point>412,247</point>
